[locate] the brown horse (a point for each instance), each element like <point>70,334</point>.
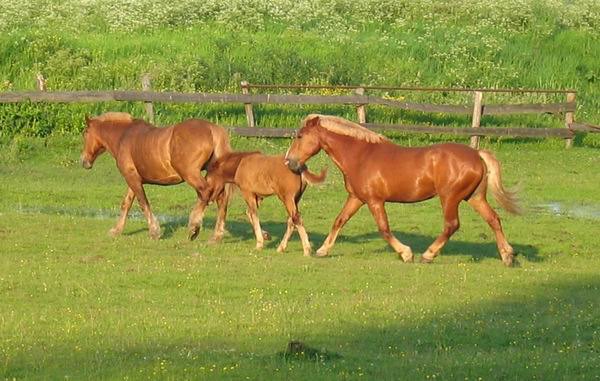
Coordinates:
<point>375,171</point>
<point>260,176</point>
<point>145,154</point>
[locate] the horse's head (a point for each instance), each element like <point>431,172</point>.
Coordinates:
<point>92,144</point>
<point>305,145</point>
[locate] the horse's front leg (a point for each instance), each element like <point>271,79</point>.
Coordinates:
<point>140,194</point>
<point>125,206</point>
<point>350,207</point>
<point>378,211</point>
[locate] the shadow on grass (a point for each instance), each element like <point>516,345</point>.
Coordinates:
<point>548,331</point>
<point>241,230</point>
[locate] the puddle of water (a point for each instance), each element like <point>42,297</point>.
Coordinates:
<point>589,212</point>
<point>101,214</point>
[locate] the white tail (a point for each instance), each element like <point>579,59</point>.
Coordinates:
<point>507,198</point>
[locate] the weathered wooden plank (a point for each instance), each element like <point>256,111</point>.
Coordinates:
<point>476,119</point>
<point>584,127</point>
<point>263,132</point>
<point>57,96</point>
<point>481,131</point>
<point>535,108</point>
<point>408,88</point>
<point>458,131</point>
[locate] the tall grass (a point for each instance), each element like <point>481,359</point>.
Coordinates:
<point>213,45</point>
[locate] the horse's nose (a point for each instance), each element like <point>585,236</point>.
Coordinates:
<point>293,165</point>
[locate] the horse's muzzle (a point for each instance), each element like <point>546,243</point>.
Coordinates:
<point>295,166</point>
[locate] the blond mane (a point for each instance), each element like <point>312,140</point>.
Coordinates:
<point>345,127</point>
<point>113,116</point>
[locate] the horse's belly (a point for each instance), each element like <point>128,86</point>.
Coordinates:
<point>165,180</point>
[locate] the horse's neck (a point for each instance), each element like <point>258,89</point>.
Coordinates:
<point>112,134</point>
<point>343,150</point>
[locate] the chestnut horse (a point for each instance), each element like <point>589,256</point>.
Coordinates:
<point>375,171</point>
<point>259,176</point>
<point>145,154</point>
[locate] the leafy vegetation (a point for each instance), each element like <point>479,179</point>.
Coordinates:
<point>78,304</point>
<point>213,45</point>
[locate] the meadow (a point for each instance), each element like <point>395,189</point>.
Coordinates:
<point>78,304</point>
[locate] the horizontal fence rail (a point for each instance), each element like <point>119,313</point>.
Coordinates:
<point>516,132</point>
<point>358,98</point>
<point>174,97</point>
<point>405,88</point>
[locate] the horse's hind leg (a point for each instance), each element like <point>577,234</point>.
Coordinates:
<point>286,237</point>
<point>197,182</point>
<point>481,206</point>
<point>378,211</point>
<point>125,206</point>
<point>222,202</point>
<point>350,207</point>
<point>196,217</point>
<point>252,214</point>
<point>451,225</point>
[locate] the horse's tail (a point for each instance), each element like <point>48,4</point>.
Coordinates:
<point>507,198</point>
<point>311,178</point>
<point>220,141</point>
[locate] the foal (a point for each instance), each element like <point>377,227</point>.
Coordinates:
<point>258,176</point>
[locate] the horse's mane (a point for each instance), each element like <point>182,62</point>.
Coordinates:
<point>114,116</point>
<point>345,127</point>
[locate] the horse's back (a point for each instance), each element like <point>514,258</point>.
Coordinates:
<point>411,174</point>
<point>197,135</point>
<point>265,174</point>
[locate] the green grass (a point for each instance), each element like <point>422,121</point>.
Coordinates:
<point>78,304</point>
<point>100,45</point>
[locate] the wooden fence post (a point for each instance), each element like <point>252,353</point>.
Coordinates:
<point>248,106</point>
<point>41,82</point>
<point>146,86</point>
<point>361,108</point>
<point>476,122</point>
<point>569,118</point>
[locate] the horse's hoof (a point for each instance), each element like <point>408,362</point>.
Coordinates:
<point>114,233</point>
<point>193,234</point>
<point>321,253</point>
<point>508,262</point>
<point>426,260</point>
<point>214,240</point>
<point>307,254</point>
<point>409,260</point>
<point>280,249</point>
<point>155,233</point>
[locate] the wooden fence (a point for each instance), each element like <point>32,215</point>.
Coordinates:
<point>358,99</point>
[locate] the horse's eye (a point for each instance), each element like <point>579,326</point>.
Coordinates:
<point>299,137</point>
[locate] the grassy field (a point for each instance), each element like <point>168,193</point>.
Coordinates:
<point>78,304</point>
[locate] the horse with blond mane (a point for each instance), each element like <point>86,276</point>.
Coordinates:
<point>377,171</point>
<point>145,154</point>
